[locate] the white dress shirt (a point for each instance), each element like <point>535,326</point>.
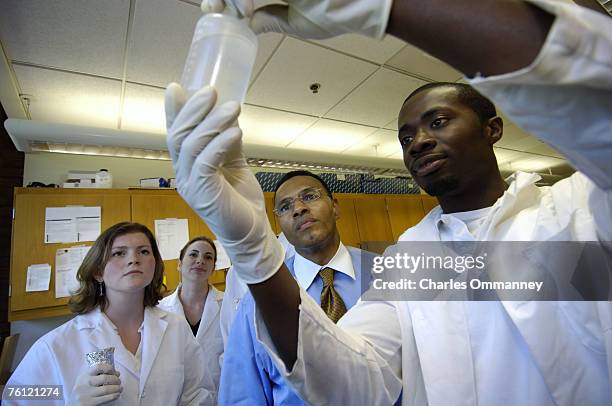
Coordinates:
<point>508,353</point>
<point>306,271</point>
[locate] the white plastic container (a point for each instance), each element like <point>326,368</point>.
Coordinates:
<point>222,55</point>
<point>104,179</point>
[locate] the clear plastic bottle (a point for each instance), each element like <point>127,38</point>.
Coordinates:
<point>222,55</point>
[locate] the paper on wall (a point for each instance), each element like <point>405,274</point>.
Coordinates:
<point>72,224</point>
<point>67,263</point>
<point>171,236</point>
<point>38,278</point>
<point>223,260</point>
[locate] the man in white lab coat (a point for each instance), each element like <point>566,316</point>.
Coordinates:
<point>547,66</point>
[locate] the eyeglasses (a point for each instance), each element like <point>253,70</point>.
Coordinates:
<point>306,196</point>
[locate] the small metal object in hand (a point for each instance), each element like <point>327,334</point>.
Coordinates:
<point>105,356</point>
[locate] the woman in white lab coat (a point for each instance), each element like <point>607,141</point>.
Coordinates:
<point>156,359</point>
<point>200,303</point>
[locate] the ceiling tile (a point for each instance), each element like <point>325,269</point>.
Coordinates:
<point>267,44</point>
<point>264,126</point>
<point>67,34</point>
<point>381,144</point>
<point>371,49</point>
<point>511,136</point>
<point>532,164</point>
<point>399,155</point>
<point>391,125</point>
<point>68,98</point>
<point>505,156</point>
<point>376,101</point>
<point>413,60</point>
<point>160,41</point>
<point>284,83</point>
<point>544,149</point>
<point>331,136</point>
<point>143,109</point>
<point>528,144</point>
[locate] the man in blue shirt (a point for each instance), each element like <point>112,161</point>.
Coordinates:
<point>322,265</point>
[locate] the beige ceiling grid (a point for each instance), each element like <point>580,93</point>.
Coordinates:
<point>106,63</point>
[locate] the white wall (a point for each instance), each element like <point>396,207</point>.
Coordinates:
<point>53,168</point>
<point>32,330</point>
<point>49,167</point>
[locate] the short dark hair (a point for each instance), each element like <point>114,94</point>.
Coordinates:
<point>199,238</point>
<point>293,174</point>
<point>483,107</point>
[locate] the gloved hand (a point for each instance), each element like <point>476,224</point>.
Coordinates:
<point>312,19</point>
<point>213,177</point>
<point>98,384</point>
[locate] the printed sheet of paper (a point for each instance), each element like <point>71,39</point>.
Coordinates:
<point>171,235</point>
<point>38,277</point>
<point>72,224</point>
<point>89,223</point>
<point>60,225</point>
<point>223,260</point>
<point>67,262</point>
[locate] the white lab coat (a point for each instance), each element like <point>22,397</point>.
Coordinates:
<point>208,336</point>
<point>170,373</point>
<point>565,98</point>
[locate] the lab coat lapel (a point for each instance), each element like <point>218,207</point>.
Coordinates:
<point>211,309</point>
<point>153,335</point>
<point>104,335</point>
<point>174,303</point>
<point>443,343</point>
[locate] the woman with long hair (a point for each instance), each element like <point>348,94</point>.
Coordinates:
<point>199,303</point>
<point>156,359</point>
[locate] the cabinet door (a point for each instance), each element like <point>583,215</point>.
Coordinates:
<point>404,212</point>
<point>150,206</point>
<point>373,219</point>
<point>429,202</point>
<point>269,198</point>
<point>347,223</point>
<point>28,245</point>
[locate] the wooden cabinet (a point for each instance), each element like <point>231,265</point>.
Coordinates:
<point>137,205</point>
<point>372,218</point>
<point>28,246</point>
<point>150,205</point>
<point>347,223</point>
<point>363,218</point>
<point>429,202</point>
<point>404,212</point>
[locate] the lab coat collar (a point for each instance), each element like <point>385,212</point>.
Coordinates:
<point>212,306</point>
<point>306,271</point>
<point>154,328</point>
<point>521,193</point>
<point>103,335</point>
<point>173,302</point>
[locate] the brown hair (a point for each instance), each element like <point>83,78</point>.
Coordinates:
<point>200,238</point>
<point>87,297</point>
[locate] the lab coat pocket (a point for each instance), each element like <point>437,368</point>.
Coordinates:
<point>164,386</point>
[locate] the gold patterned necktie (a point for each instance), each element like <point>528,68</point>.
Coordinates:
<point>331,302</point>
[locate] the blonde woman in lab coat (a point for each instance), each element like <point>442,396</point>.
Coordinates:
<point>200,303</point>
<point>157,361</point>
